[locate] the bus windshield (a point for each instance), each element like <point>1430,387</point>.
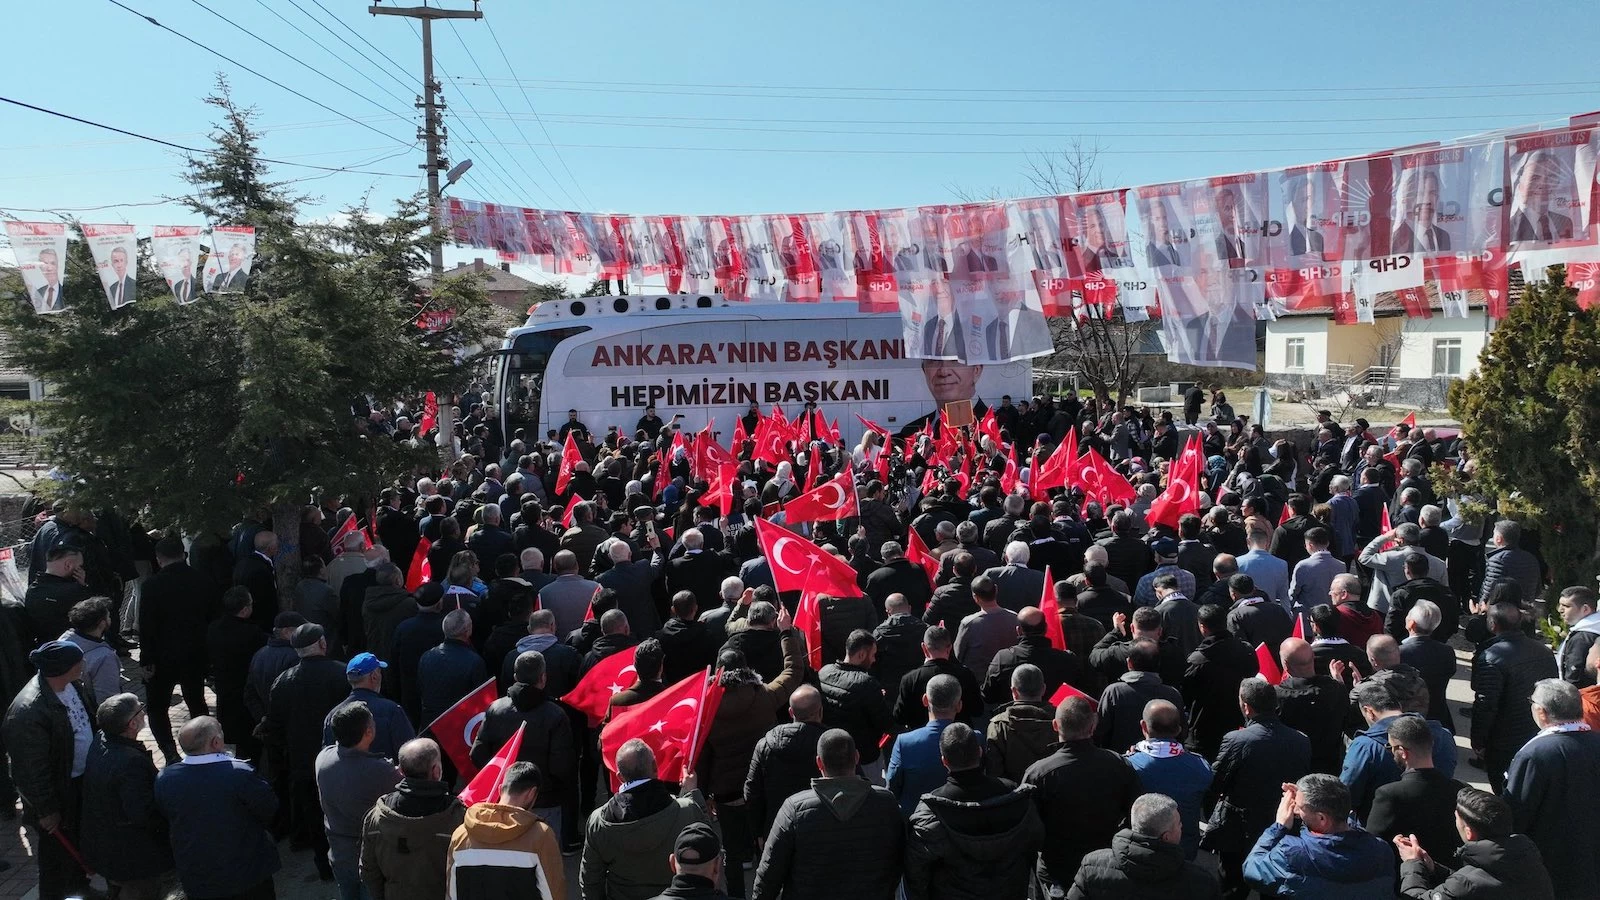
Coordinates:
<point>521,380</point>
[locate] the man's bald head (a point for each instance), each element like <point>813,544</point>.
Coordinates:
<point>419,758</point>
<point>805,704</point>
<point>1030,620</point>
<point>199,735</point>
<point>896,604</point>
<point>1162,721</point>
<point>1384,651</point>
<point>1297,657</point>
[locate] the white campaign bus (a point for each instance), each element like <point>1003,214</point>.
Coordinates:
<point>708,359</point>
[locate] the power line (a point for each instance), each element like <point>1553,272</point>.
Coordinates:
<point>155,140</point>
<point>266,78</point>
<point>518,125</point>
<point>404,72</point>
<point>529,100</point>
<point>324,47</point>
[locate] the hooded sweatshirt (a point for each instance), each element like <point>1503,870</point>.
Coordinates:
<point>504,853</point>
<point>404,841</point>
<point>627,841</point>
<point>1575,649</point>
<point>856,827</point>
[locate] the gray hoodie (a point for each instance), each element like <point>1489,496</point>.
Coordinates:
<point>101,671</point>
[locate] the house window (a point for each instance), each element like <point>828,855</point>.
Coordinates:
<point>1294,354</point>
<point>1447,357</point>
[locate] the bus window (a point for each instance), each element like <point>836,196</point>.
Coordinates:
<point>521,380</point>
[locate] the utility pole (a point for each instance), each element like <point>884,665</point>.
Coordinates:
<point>433,132</point>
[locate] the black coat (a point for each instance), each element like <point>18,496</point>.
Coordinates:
<point>398,532</point>
<point>900,576</point>
<point>1211,690</point>
<point>1502,681</point>
<point>951,603</point>
<point>300,701</point>
<point>1423,803</point>
<point>1083,793</point>
<point>1551,786</point>
<point>701,574</point>
<point>762,649</point>
<point>635,596</point>
<point>47,603</point>
<point>124,836</point>
<point>1403,597</point>
<point>1435,661</point>
<point>853,700</point>
<point>175,606</point>
<point>974,838</point>
<point>1316,707</point>
<point>688,647</point>
<point>836,837</point>
<point>1141,867</point>
<point>256,574</point>
<point>1506,869</point>
<point>1058,666</point>
<point>231,642</point>
<point>899,648</point>
<point>783,764</point>
<point>1128,558</point>
<point>1247,781</point>
<point>1259,621</point>
<point>547,742</point>
<point>909,713</point>
<point>38,740</point>
<point>445,674</point>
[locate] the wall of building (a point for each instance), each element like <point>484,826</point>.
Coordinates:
<point>1416,349</point>
<point>1313,329</point>
<point>1359,345</point>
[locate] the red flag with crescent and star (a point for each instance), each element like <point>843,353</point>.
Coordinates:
<point>829,501</point>
<point>457,726</point>
<point>917,552</point>
<point>808,621</point>
<point>1267,663</point>
<point>1182,495</point>
<point>417,574</point>
<point>592,695</point>
<point>1052,613</point>
<point>674,723</point>
<point>1101,482</point>
<point>570,457</point>
<point>792,556</point>
<point>485,786</point>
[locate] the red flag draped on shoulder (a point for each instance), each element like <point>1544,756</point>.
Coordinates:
<point>917,552</point>
<point>674,723</point>
<point>570,457</point>
<point>829,501</point>
<point>456,727</point>
<point>593,692</point>
<point>1052,613</point>
<point>792,557</point>
<point>808,619</point>
<point>418,571</point>
<point>1182,495</point>
<point>485,786</point>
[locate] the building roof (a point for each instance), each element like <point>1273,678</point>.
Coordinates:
<point>496,278</point>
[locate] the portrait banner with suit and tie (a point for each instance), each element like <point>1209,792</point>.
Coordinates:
<point>177,253</point>
<point>1550,178</point>
<point>233,251</point>
<point>1304,238</point>
<point>115,249</point>
<point>41,252</point>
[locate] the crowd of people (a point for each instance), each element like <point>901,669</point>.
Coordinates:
<point>1055,698</point>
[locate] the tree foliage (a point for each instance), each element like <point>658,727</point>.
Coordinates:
<point>1531,418</point>
<point>191,416</point>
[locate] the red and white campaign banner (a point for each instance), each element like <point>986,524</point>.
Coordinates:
<point>233,252</point>
<point>115,249</point>
<point>41,252</point>
<point>177,253</point>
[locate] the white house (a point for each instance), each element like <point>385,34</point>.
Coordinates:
<point>1403,359</point>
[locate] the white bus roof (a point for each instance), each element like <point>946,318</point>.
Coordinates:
<point>619,313</point>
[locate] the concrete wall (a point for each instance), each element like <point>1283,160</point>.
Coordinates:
<point>1313,329</point>
<point>1416,350</point>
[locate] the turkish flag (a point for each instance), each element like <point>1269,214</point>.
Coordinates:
<point>1267,662</point>
<point>739,435</point>
<point>1052,473</point>
<point>793,557</point>
<point>1410,421</point>
<point>570,457</point>
<point>430,414</point>
<point>349,527</point>
<point>874,426</point>
<point>830,501</point>
<point>1182,495</point>
<point>1101,482</point>
<point>990,426</point>
<point>1066,691</point>
<point>1299,626</point>
<point>457,726</point>
<point>1008,479</point>
<point>566,514</point>
<point>418,572</point>
<point>917,552</point>
<point>1386,524</point>
<point>1284,516</point>
<point>674,723</point>
<point>662,475</point>
<point>593,692</point>
<point>1052,613</point>
<point>485,786</point>
<point>808,619</point>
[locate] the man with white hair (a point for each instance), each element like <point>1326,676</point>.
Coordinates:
<point>1344,516</point>
<point>1097,554</point>
<point>350,561</point>
<point>1019,586</point>
<point>1145,860</point>
<point>489,540</point>
<point>1551,785</point>
<point>1506,561</point>
<point>997,533</point>
<point>451,670</point>
<point>531,561</point>
<point>731,593</point>
<point>1433,659</point>
<point>632,581</point>
<point>698,571</point>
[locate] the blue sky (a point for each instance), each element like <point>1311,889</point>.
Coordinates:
<point>928,99</point>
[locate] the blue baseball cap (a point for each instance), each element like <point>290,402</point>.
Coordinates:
<point>364,663</point>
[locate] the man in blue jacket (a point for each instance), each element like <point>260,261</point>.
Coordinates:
<point>914,765</point>
<point>1368,764</point>
<point>218,810</point>
<point>1322,855</point>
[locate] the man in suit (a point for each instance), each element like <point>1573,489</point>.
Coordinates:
<point>942,332</point>
<point>1551,786</point>
<point>120,290</point>
<point>948,381</point>
<point>1303,238</point>
<point>1230,245</point>
<point>1418,231</point>
<point>234,277</point>
<point>1018,330</point>
<point>1423,801</point>
<point>1160,250</point>
<point>47,297</point>
<point>1018,585</point>
<point>255,571</point>
<point>185,285</point>
<point>1541,178</point>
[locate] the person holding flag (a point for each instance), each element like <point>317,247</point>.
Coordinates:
<point>627,841</point>
<point>548,742</point>
<point>503,850</point>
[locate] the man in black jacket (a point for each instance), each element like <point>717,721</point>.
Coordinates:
<point>841,829</point>
<point>1503,676</point>
<point>1314,705</point>
<point>938,659</point>
<point>953,601</point>
<point>1422,803</point>
<point>1210,684</point>
<point>633,582</point>
<point>176,604</point>
<point>255,570</point>
<point>899,575</point>
<point>58,589</point>
<point>231,642</point>
<point>1495,864</point>
<point>124,838</point>
<point>1083,794</point>
<point>899,638</point>
<point>48,731</point>
<point>974,836</point>
<point>1032,647</point>
<point>1250,770</point>
<point>547,741</point>
<point>1418,586</point>
<point>688,642</point>
<point>853,700</point>
<point>1433,659</point>
<point>1130,557</point>
<point>785,759</point>
<point>300,700</point>
<point>1145,860</point>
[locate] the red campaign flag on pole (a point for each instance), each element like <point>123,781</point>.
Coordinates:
<point>1299,626</point>
<point>593,692</point>
<point>808,619</point>
<point>672,722</point>
<point>570,457</point>
<point>1267,662</point>
<point>883,463</point>
<point>430,414</point>
<point>1052,613</point>
<point>418,572</point>
<point>1415,301</point>
<point>830,501</point>
<point>792,557</point>
<point>1181,496</point>
<point>873,426</point>
<point>917,552</point>
<point>1066,691</point>
<point>456,727</point>
<point>485,786</point>
<point>566,514</point>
